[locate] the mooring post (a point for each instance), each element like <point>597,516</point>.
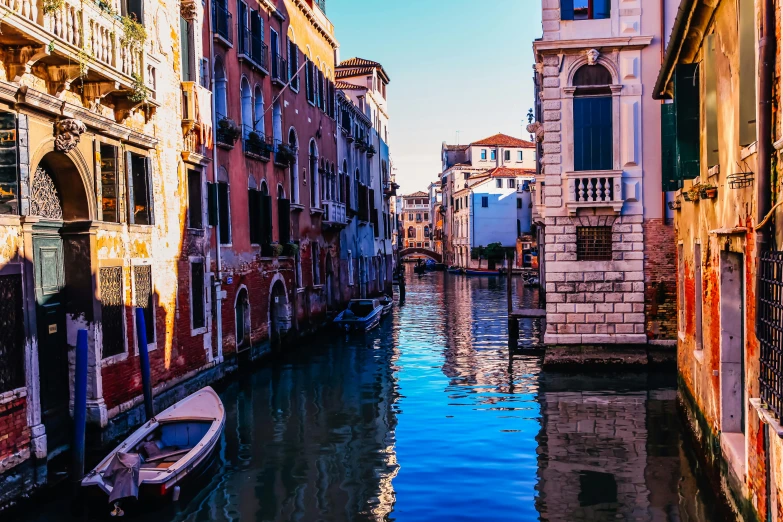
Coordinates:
<point>144,362</point>
<point>513,324</point>
<point>79,408</point>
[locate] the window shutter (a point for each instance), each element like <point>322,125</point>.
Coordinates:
<point>212,204</point>
<point>669,177</point>
<point>224,214</point>
<point>150,191</point>
<point>129,178</point>
<point>284,220</point>
<point>255,216</point>
<point>566,9</point>
<point>711,100</point>
<point>601,8</point>
<point>593,133</point>
<point>265,207</point>
<point>686,101</point>
<point>747,72</point>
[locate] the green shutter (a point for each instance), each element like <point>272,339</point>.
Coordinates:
<point>212,210</point>
<point>686,101</point>
<point>711,100</point>
<point>669,176</point>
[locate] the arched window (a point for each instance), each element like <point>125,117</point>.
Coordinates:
<point>593,139</point>
<point>277,123</point>
<point>426,231</point>
<point>346,186</point>
<point>411,232</point>
<point>314,193</point>
<point>259,111</point>
<point>323,180</point>
<point>221,105</point>
<point>247,108</point>
<point>283,216</point>
<point>294,168</point>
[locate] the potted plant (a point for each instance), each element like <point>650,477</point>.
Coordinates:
<point>290,249</point>
<point>228,130</point>
<point>708,191</point>
<point>371,150</point>
<point>285,154</point>
<point>277,250</point>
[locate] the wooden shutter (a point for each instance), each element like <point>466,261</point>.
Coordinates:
<point>747,72</point>
<point>265,207</point>
<point>224,214</point>
<point>150,191</point>
<point>253,199</point>
<point>711,99</point>
<point>284,220</point>
<point>212,204</point>
<point>601,9</point>
<point>686,101</point>
<point>566,9</point>
<point>593,133</point>
<point>669,178</point>
<point>129,179</point>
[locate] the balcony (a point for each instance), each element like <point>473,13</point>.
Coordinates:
<point>195,126</point>
<point>256,145</point>
<point>221,24</point>
<point>253,49</point>
<point>594,189</point>
<point>334,214</point>
<point>279,70</point>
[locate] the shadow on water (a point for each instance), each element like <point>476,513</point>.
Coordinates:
<point>428,418</point>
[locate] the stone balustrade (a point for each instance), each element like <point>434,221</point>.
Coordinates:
<point>594,189</point>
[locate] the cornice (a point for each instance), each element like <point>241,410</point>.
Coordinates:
<point>615,42</point>
<point>308,12</point>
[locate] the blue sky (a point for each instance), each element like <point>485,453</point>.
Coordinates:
<point>455,65</point>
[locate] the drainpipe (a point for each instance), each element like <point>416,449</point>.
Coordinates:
<point>767,51</point>
<point>218,261</point>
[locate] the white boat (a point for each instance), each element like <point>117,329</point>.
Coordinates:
<point>173,446</point>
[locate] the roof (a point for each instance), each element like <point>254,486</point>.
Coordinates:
<point>348,86</point>
<point>504,140</point>
<point>504,172</point>
<point>418,194</point>
<point>455,147</point>
<point>359,66</point>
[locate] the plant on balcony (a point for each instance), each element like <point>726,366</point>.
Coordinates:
<point>708,191</point>
<point>290,249</point>
<point>277,250</point>
<point>52,6</point>
<point>229,130</point>
<point>255,139</point>
<point>285,155</point>
<point>371,150</point>
<point>134,32</point>
<point>106,7</point>
<point>140,91</point>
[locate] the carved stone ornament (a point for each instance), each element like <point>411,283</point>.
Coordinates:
<point>188,9</point>
<point>44,200</point>
<point>592,56</point>
<point>539,67</point>
<point>536,129</point>
<point>69,133</point>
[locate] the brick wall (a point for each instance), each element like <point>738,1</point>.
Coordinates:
<point>660,279</point>
<point>14,432</point>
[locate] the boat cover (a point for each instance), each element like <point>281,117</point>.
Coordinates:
<point>122,474</point>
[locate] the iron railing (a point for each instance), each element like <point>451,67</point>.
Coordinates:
<point>256,144</point>
<point>221,22</point>
<point>252,47</point>
<point>279,69</point>
<point>770,330</point>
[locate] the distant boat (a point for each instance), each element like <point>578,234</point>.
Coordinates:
<point>420,269</point>
<point>361,315</point>
<point>173,446</point>
<point>455,270</point>
<point>479,272</point>
<point>387,303</point>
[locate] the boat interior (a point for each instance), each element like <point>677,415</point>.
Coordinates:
<point>361,308</point>
<point>169,442</point>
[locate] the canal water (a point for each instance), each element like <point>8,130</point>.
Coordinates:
<point>428,418</point>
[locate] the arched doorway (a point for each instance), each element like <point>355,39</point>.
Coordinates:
<point>62,280</point>
<point>279,312</point>
<point>242,320</point>
<point>330,289</point>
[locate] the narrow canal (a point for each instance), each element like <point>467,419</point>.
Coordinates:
<point>427,418</point>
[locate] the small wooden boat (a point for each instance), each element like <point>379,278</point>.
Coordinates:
<point>361,315</point>
<point>420,269</point>
<point>166,451</point>
<point>454,270</point>
<point>386,303</point>
<point>477,272</point>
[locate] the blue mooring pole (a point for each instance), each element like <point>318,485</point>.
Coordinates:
<point>79,406</point>
<point>144,361</point>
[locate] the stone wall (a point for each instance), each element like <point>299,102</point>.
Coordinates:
<point>660,279</point>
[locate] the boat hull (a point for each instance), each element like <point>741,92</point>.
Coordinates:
<point>482,272</point>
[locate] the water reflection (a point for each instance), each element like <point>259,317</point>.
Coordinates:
<point>428,418</point>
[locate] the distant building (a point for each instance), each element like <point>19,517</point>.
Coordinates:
<point>415,214</point>
<point>436,216</point>
<point>460,162</point>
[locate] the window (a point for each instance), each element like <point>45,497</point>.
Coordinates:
<point>293,65</point>
<point>747,72</point>
<point>112,310</point>
<point>511,183</point>
<point>186,50</point>
<point>519,156</point>
<point>139,189</point>
<point>485,201</point>
<point>519,202</point>
<point>493,154</point>
<point>593,139</point>
<point>298,270</point>
<point>711,99</point>
<point>411,232</point>
<point>698,290</point>
<point>254,215</point>
<point>483,154</point>
<point>593,243</point>
<point>410,217</point>
<point>499,183</point>
<point>315,257</point>
<point>144,298</point>
<point>350,268</point>
<point>283,217</point>
<point>110,179</point>
<point>242,319</point>
<point>221,86</point>
<point>224,213</point>
<point>466,175</point>
<point>507,155</point>
<point>584,9</point>
<point>197,318</point>
<point>418,218</point>
<point>9,188</point>
<point>426,216</point>
<point>12,342</point>
<point>418,245</point>
<point>195,219</point>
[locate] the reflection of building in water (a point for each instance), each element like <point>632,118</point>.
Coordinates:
<point>606,455</point>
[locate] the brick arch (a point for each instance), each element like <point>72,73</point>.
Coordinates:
<point>438,258</point>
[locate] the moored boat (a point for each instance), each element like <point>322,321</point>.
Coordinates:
<point>174,446</point>
<point>387,303</point>
<point>454,270</point>
<point>477,272</point>
<point>361,315</point>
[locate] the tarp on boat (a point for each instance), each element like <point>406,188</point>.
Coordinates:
<point>122,474</point>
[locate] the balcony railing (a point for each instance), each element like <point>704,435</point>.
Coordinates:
<point>334,213</point>
<point>594,189</point>
<point>253,48</point>
<point>221,23</point>
<point>279,69</point>
<point>255,144</point>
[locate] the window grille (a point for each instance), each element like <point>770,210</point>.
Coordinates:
<point>197,294</point>
<point>112,311</point>
<point>770,330</point>
<point>593,243</point>
<point>11,333</point>
<point>142,280</point>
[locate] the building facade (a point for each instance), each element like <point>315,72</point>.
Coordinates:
<point>721,140</point>
<point>608,250</point>
<point>415,216</point>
